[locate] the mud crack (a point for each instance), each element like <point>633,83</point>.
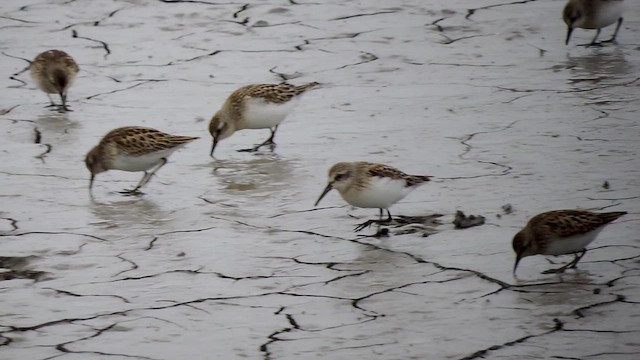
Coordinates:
<point>105,46</point>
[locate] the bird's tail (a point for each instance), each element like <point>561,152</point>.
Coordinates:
<point>304,87</point>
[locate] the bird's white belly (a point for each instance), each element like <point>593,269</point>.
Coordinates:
<point>380,193</point>
<point>260,114</point>
<point>140,163</point>
<point>571,244</point>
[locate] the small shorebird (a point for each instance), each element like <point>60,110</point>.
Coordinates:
<point>593,14</point>
<point>560,232</point>
<point>370,185</point>
<point>53,72</point>
<point>133,148</point>
<point>258,106</point>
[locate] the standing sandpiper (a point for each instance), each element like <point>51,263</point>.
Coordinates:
<point>593,14</point>
<point>53,72</point>
<point>258,106</point>
<point>560,232</point>
<point>133,148</point>
<point>370,185</point>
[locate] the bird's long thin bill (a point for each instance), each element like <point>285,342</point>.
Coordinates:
<point>569,31</point>
<point>91,182</point>
<point>326,190</point>
<point>515,266</point>
<point>213,147</point>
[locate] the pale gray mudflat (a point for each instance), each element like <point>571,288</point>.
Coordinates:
<point>223,259</point>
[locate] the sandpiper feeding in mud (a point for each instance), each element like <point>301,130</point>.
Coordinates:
<point>560,232</point>
<point>133,148</point>
<point>370,185</point>
<point>593,14</point>
<point>258,106</point>
<point>53,72</point>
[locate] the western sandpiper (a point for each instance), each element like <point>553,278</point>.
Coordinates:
<point>53,72</point>
<point>258,106</point>
<point>560,232</point>
<point>593,14</point>
<point>370,185</point>
<point>133,148</point>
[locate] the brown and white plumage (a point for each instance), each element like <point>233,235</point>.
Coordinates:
<point>257,106</point>
<point>371,185</point>
<point>53,71</point>
<point>560,232</point>
<point>593,14</point>
<point>133,148</point>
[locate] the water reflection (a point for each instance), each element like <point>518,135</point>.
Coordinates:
<point>260,174</point>
<point>601,64</point>
<point>126,213</point>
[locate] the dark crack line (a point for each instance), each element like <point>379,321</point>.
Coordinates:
<point>216,52</point>
<point>133,265</point>
<point>6,111</point>
<point>37,175</point>
<point>46,152</point>
<point>18,20</point>
<point>515,90</point>
<point>356,302</point>
<point>367,57</point>
<point>38,135</point>
<point>438,27</point>
<point>151,243</point>
<point>105,46</point>
<point>242,8</point>
<point>367,14</point>
<point>558,325</point>
<point>55,233</point>
<point>197,2</point>
<point>69,293</point>
<point>13,76</point>
<point>304,211</point>
<point>450,41</point>
<point>468,147</point>
<point>579,312</point>
<point>143,82</point>
<point>14,222</point>
<point>470,12</point>
<point>13,328</point>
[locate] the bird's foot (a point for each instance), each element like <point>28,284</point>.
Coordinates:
<point>132,192</point>
<point>270,144</point>
<point>368,223</point>
<point>593,44</point>
<point>559,270</point>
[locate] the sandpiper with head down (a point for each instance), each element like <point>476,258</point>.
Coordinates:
<point>53,72</point>
<point>370,185</point>
<point>593,14</point>
<point>560,232</point>
<point>133,148</point>
<point>258,106</point>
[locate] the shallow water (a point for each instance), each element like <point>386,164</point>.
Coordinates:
<point>227,258</point>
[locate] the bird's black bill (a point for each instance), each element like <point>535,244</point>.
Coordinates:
<point>515,266</point>
<point>569,31</point>
<point>213,147</point>
<point>326,190</point>
<point>91,182</point>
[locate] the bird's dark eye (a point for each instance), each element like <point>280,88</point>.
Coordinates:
<point>339,177</point>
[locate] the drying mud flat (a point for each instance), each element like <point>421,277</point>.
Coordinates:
<point>227,258</point>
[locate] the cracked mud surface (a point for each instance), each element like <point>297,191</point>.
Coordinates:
<point>228,259</point>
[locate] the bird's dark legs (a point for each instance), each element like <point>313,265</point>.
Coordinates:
<point>63,98</point>
<point>269,141</point>
<point>571,265</point>
<point>145,179</point>
<point>615,33</point>
<point>379,221</point>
